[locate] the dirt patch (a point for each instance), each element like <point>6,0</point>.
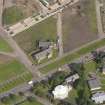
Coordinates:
<point>28,7</point>
<point>4,59</point>
<point>76,29</point>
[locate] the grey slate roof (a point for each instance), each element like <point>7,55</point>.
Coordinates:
<point>94,83</point>
<point>44,44</point>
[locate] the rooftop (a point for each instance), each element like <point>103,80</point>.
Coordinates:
<point>61,92</point>
<point>94,84</point>
<point>72,78</point>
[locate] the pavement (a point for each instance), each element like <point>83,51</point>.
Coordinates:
<point>60,34</point>
<point>1,11</point>
<point>99,22</point>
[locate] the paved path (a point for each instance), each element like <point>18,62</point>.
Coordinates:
<point>1,11</point>
<point>21,56</point>
<point>99,22</point>
<point>59,33</point>
<point>8,54</point>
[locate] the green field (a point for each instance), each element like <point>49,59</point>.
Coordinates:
<point>46,30</point>
<point>18,81</point>
<point>31,103</point>
<point>11,69</point>
<point>90,11</point>
<point>90,67</point>
<point>11,101</point>
<point>70,57</point>
<point>12,15</point>
<point>4,46</point>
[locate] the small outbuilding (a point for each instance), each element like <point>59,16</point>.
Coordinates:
<point>94,84</point>
<point>44,44</point>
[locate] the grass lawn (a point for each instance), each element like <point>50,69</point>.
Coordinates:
<point>70,57</point>
<point>12,15</point>
<point>46,30</point>
<point>90,67</point>
<point>31,103</point>
<point>72,96</point>
<point>11,69</point>
<point>4,46</point>
<point>26,78</point>
<point>91,14</point>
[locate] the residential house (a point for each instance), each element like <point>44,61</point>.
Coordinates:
<point>94,83</point>
<point>98,97</point>
<point>44,44</point>
<point>47,53</point>
<point>72,78</point>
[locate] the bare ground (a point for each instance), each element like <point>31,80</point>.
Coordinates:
<point>4,59</point>
<point>76,30</point>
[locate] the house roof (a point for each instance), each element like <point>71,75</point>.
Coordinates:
<point>72,78</point>
<point>61,91</point>
<point>94,83</point>
<point>43,53</point>
<point>98,97</point>
<point>101,94</point>
<point>44,44</point>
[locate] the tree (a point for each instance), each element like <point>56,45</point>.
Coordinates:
<point>30,98</point>
<point>11,96</point>
<point>98,59</point>
<point>21,93</point>
<point>82,87</point>
<point>4,99</point>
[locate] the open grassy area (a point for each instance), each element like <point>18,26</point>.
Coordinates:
<point>70,57</point>
<point>35,102</point>
<point>90,67</point>
<point>4,46</point>
<point>46,30</point>
<point>18,81</point>
<point>16,98</point>
<point>90,11</point>
<point>12,15</point>
<point>11,69</point>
